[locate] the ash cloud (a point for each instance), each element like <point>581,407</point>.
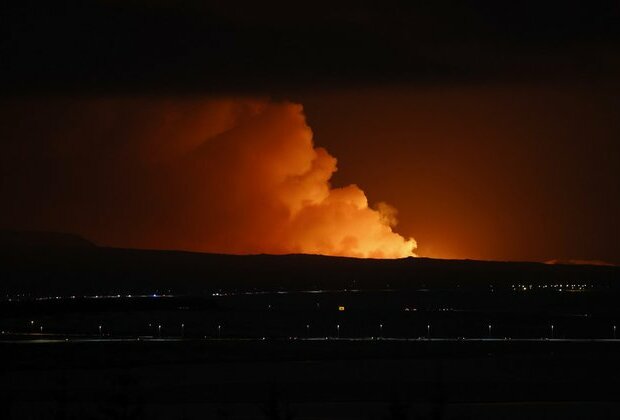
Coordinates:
<point>236,176</point>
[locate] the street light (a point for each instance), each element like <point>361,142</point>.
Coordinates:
<point>490,326</point>
<point>219,331</point>
<point>100,332</point>
<point>338,330</point>
<point>552,331</point>
<point>380,330</point>
<point>614,332</point>
<point>308,330</point>
<point>159,330</point>
<point>428,331</point>
<point>183,330</point>
<point>41,328</point>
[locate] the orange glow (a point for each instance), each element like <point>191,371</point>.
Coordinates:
<point>476,172</point>
<point>225,176</point>
<point>483,172</point>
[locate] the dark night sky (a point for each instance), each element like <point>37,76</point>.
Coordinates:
<point>196,46</point>
<point>493,128</point>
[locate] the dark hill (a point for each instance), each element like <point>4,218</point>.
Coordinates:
<point>44,263</point>
<point>12,240</point>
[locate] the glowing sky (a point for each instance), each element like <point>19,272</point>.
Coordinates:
<point>491,129</point>
<point>525,171</point>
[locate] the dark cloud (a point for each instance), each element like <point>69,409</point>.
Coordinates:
<point>192,46</point>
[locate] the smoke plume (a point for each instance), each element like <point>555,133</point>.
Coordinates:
<point>227,176</point>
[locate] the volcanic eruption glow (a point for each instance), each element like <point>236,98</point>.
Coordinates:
<point>226,176</point>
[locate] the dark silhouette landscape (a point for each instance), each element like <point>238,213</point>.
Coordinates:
<point>95,332</point>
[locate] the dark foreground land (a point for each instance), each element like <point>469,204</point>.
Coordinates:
<point>99,333</point>
<point>337,379</point>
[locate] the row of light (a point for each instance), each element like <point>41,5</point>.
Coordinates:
<point>219,329</point>
<point>552,286</point>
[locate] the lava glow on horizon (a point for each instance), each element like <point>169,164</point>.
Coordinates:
<point>219,175</point>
